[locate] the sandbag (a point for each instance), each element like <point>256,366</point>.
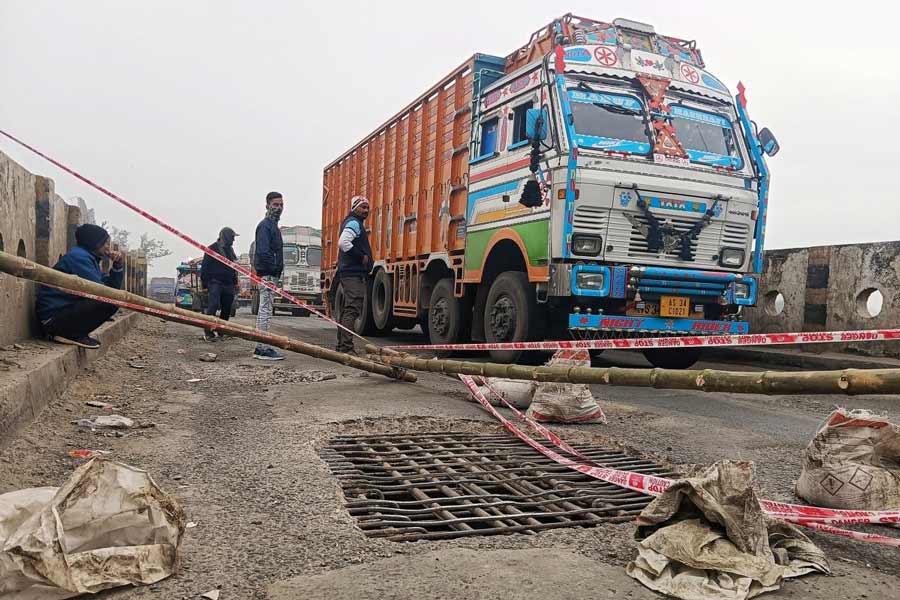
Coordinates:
<point>566,402</point>
<point>853,462</point>
<point>516,392</point>
<point>108,526</point>
<point>707,538</point>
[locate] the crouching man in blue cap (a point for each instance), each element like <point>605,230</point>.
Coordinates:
<point>69,319</point>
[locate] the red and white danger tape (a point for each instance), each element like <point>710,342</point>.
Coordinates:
<point>237,267</point>
<point>822,519</point>
<point>685,341</point>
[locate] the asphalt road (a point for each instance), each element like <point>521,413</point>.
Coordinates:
<point>237,443</point>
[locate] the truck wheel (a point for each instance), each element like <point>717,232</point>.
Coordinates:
<point>447,317</point>
<point>254,303</point>
<point>383,302</point>
<point>511,315</point>
<point>672,358</point>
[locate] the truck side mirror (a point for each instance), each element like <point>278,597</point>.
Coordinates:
<point>768,142</point>
<point>536,124</point>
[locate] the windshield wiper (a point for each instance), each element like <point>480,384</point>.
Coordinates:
<point>619,110</point>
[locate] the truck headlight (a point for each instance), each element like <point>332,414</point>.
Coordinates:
<point>586,245</point>
<point>587,280</point>
<point>742,290</point>
<point>731,257</point>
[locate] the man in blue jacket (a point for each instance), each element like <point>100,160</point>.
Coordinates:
<point>69,319</point>
<point>268,263</point>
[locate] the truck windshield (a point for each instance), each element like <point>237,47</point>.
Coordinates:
<point>291,254</point>
<point>314,256</point>
<point>608,121</point>
<point>708,138</point>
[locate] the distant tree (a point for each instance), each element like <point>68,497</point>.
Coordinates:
<point>152,247</point>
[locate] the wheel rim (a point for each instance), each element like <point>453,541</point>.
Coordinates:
<point>440,317</point>
<point>503,318</point>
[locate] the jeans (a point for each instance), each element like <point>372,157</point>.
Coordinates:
<point>78,320</point>
<point>266,308</point>
<point>351,308</point>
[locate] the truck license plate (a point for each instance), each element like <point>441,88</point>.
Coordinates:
<point>674,306</point>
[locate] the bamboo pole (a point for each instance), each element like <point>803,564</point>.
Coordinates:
<point>27,269</point>
<point>847,381</point>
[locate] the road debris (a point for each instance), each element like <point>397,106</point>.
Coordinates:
<point>566,402</point>
<point>211,595</point>
<point>136,365</point>
<point>209,357</point>
<point>517,393</point>
<point>313,376</point>
<point>190,525</point>
<point>111,421</point>
<point>195,380</point>
<point>99,404</point>
<point>707,538</point>
<point>82,453</point>
<point>852,463</point>
<point>109,525</point>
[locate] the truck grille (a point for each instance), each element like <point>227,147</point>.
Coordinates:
<point>735,235</point>
<point>590,219</point>
<point>629,243</point>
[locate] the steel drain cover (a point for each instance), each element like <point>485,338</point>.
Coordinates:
<point>448,485</point>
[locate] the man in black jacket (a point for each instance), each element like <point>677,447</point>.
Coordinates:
<point>354,265</point>
<point>268,263</point>
<point>219,279</point>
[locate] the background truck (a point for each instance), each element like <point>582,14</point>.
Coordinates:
<point>597,182</point>
<point>162,289</point>
<point>301,276</point>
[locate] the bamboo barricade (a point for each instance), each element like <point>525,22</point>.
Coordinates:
<point>772,383</point>
<point>26,269</point>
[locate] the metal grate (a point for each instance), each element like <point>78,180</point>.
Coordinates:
<point>449,485</point>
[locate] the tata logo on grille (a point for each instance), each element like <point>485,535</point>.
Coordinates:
<point>682,205</point>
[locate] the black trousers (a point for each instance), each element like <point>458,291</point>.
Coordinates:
<point>80,319</point>
<point>221,297</point>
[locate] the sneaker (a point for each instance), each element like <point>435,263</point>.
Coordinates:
<point>84,342</point>
<point>268,354</point>
<point>209,336</point>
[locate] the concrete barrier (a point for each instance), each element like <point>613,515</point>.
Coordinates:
<point>38,224</point>
<point>828,288</point>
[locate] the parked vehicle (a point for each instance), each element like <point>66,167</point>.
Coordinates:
<point>596,182</point>
<point>190,292</point>
<point>301,276</point>
<point>162,289</point>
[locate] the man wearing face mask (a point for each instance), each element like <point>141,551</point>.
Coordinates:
<point>69,319</point>
<point>219,279</point>
<point>268,263</point>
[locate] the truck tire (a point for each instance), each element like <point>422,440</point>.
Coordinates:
<point>672,358</point>
<point>254,303</point>
<point>511,314</point>
<point>383,302</point>
<point>448,319</point>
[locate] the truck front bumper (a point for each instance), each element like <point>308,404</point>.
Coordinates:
<point>659,325</point>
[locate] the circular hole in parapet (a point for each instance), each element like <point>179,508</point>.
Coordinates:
<point>774,303</point>
<point>869,303</point>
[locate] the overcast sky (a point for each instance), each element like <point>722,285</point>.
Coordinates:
<point>195,110</point>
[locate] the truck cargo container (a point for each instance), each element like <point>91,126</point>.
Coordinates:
<point>599,181</point>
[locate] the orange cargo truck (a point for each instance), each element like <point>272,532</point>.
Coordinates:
<point>598,181</point>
